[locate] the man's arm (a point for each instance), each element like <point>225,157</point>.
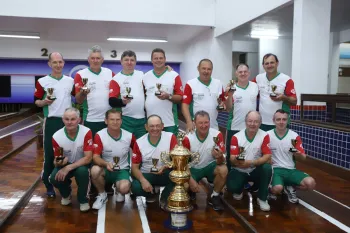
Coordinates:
<point>289,96</point>
<point>39,94</point>
<point>265,149</point>
<point>80,95</point>
<point>114,96</point>
<point>98,148</point>
<point>300,154</point>
<point>185,108</point>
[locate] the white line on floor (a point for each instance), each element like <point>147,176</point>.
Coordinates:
<point>325,216</point>
<point>101,220</point>
<point>333,200</point>
<point>36,123</point>
<point>9,114</point>
<point>143,217</point>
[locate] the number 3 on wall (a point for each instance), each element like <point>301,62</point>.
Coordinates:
<point>45,52</point>
<point>113,53</point>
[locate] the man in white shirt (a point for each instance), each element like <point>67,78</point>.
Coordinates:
<point>286,147</point>
<point>250,156</point>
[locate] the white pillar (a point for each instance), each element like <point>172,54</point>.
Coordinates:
<point>334,53</point>
<point>311,32</point>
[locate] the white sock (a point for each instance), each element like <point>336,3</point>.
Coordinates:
<point>214,194</point>
<point>103,194</point>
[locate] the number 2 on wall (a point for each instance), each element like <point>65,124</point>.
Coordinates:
<point>45,52</point>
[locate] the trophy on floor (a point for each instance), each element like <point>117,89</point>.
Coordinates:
<point>60,157</point>
<point>294,143</point>
<point>179,201</point>
<point>158,92</point>
<point>50,95</point>
<point>232,85</point>
<point>116,166</point>
<point>241,155</point>
<point>128,90</point>
<point>220,106</point>
<point>85,82</point>
<point>154,162</point>
<point>273,89</point>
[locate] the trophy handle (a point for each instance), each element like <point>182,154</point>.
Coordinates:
<point>164,156</point>
<point>195,159</point>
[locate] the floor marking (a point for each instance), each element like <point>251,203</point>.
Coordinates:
<point>325,216</point>
<point>333,200</point>
<point>9,114</point>
<point>36,123</point>
<point>142,213</point>
<point>101,219</point>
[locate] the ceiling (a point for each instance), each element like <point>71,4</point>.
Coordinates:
<point>282,19</point>
<point>98,31</point>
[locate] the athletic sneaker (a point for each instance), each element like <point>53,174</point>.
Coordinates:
<point>237,197</point>
<point>84,207</point>
<point>151,199</point>
<point>119,197</point>
<point>215,202</point>
<point>291,193</point>
<point>50,191</point>
<point>264,205</point>
<point>67,200</point>
<point>271,196</point>
<point>101,199</point>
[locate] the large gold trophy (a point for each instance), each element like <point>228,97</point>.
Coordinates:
<point>179,201</point>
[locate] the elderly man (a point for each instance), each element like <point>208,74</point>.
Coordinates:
<point>93,94</point>
<point>203,93</point>
<point>53,94</point>
<point>209,143</point>
<point>250,156</point>
<point>286,146</point>
<point>147,148</point>
<point>111,159</point>
<point>73,148</point>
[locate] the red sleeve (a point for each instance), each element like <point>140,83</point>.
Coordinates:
<point>136,154</point>
<point>299,145</point>
<point>221,143</point>
<point>234,148</point>
<point>133,141</point>
<point>254,80</point>
<point>222,95</point>
<point>114,89</point>
<point>173,142</point>
<point>290,91</point>
<point>39,91</point>
<point>78,83</point>
<point>186,143</point>
<point>98,146</point>
<point>88,142</point>
<point>187,97</point>
<point>178,86</point>
<point>265,146</point>
<point>56,151</point>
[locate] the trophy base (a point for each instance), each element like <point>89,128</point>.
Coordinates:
<point>273,95</point>
<point>240,158</point>
<point>232,89</point>
<point>84,88</point>
<point>178,222</point>
<point>220,108</point>
<point>116,169</point>
<point>130,97</point>
<point>157,93</point>
<point>153,169</point>
<point>59,158</point>
<point>52,98</point>
<point>293,150</point>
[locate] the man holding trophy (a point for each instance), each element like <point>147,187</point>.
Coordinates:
<point>53,93</point>
<point>286,146</point>
<point>76,143</point>
<point>147,169</point>
<point>209,143</point>
<point>250,155</point>
<point>111,159</point>
<point>203,93</point>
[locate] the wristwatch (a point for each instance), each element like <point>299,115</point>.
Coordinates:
<point>170,96</point>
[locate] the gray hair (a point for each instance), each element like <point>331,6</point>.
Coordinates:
<point>202,114</point>
<point>246,116</point>
<point>95,49</point>
<point>72,109</point>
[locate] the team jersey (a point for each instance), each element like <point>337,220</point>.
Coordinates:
<point>118,85</point>
<point>281,157</point>
<point>171,83</point>
<point>63,89</point>
<point>108,147</point>
<point>73,148</point>
<point>96,104</point>
<point>253,149</point>
<point>267,107</point>
<point>244,100</point>
<point>144,150</point>
<point>204,147</point>
<point>204,97</point>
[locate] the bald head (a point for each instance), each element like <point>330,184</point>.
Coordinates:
<point>55,56</point>
<point>253,115</point>
<point>154,119</point>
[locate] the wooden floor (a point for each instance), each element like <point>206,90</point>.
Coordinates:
<point>38,214</point>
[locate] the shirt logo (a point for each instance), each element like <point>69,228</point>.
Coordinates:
<point>95,146</point>
<point>90,142</point>
<point>233,147</point>
<point>110,90</point>
<point>293,91</point>
<point>134,155</point>
<point>184,97</point>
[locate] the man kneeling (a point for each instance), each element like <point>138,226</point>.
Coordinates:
<point>111,156</point>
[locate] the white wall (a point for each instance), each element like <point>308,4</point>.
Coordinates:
<point>333,70</point>
<point>282,48</point>
<point>19,48</point>
<point>344,36</point>
<point>253,63</point>
<point>245,46</point>
<point>217,49</point>
<point>233,13</point>
<point>193,12</point>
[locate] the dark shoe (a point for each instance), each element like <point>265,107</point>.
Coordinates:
<point>50,192</point>
<point>192,195</point>
<point>254,188</point>
<point>247,186</point>
<point>291,193</point>
<point>215,202</point>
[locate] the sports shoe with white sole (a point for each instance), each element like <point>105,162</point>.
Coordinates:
<point>84,207</point>
<point>237,197</point>
<point>101,199</point>
<point>119,197</point>
<point>264,205</point>
<point>291,193</point>
<point>66,201</point>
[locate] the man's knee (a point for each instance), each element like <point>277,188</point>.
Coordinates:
<point>124,186</point>
<point>96,171</point>
<point>82,171</point>
<point>309,183</point>
<point>277,189</point>
<point>222,171</point>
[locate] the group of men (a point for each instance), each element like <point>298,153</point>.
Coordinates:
<point>113,144</point>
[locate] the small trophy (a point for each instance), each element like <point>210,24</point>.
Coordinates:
<point>154,168</point>
<point>293,149</point>
<point>159,85</point>
<point>116,166</point>
<point>241,155</point>
<point>232,85</point>
<point>85,82</point>
<point>50,95</point>
<point>60,157</point>
<point>273,89</point>
<point>216,140</point>
<point>220,106</point>
<point>128,90</point>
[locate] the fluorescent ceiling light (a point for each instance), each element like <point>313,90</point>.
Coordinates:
<point>23,35</point>
<point>264,37</point>
<point>136,39</point>
<point>265,34</point>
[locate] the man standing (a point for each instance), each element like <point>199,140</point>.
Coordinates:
<point>146,149</point>
<point>286,146</point>
<point>163,91</point>
<point>54,105</point>
<point>94,93</point>
<point>111,159</point>
<point>209,143</point>
<point>202,93</point>
<point>132,102</point>
<point>276,91</point>
<point>250,154</point>
<point>73,148</point>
